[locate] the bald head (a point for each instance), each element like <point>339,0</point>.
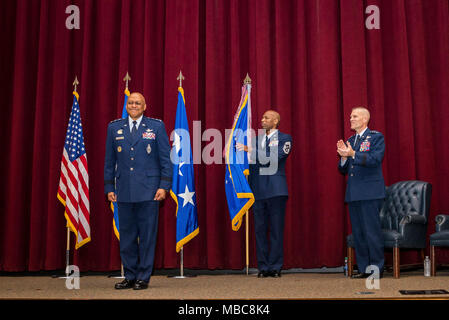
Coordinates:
<point>276,116</point>
<point>137,95</point>
<point>270,120</point>
<point>135,105</point>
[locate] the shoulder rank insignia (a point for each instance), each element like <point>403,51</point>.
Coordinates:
<point>287,147</point>
<point>116,120</point>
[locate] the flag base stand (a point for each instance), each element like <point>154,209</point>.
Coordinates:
<point>182,275</point>
<point>55,276</point>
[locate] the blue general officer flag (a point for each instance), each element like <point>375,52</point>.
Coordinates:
<point>114,206</point>
<point>238,193</point>
<point>183,186</point>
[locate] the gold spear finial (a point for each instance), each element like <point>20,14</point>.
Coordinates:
<point>247,79</point>
<point>180,78</point>
<point>75,82</point>
<point>127,78</point>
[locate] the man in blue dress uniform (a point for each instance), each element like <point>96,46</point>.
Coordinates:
<point>137,174</point>
<point>361,159</point>
<point>268,182</point>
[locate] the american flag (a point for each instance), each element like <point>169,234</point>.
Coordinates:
<point>73,189</point>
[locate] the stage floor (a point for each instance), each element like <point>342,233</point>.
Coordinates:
<point>228,286</point>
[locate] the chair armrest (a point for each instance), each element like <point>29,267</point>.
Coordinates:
<point>442,222</point>
<point>414,219</point>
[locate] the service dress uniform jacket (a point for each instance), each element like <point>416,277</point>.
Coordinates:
<point>268,183</point>
<point>365,192</point>
<point>135,168</point>
<point>274,184</point>
<point>365,178</point>
<point>136,165</point>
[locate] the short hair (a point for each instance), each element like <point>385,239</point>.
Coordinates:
<point>364,110</point>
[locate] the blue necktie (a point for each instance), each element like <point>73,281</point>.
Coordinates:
<point>134,130</point>
<point>357,140</point>
<point>267,146</point>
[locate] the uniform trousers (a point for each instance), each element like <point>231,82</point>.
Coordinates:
<point>138,233</point>
<point>367,232</point>
<point>269,214</point>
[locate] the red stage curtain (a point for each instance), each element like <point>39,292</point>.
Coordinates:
<point>310,60</point>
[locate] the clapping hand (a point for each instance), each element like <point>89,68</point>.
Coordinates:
<point>344,150</point>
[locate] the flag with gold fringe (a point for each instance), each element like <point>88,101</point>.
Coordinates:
<point>73,190</point>
<point>238,192</point>
<point>183,185</point>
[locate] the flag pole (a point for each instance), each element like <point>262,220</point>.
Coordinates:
<point>126,79</point>
<point>247,243</point>
<point>67,257</point>
<point>181,257</point>
<point>67,254</point>
<point>67,250</point>
<point>247,82</point>
<point>182,262</point>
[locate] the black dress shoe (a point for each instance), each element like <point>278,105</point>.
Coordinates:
<point>262,274</point>
<point>140,285</point>
<point>360,275</point>
<point>125,284</point>
<point>275,273</point>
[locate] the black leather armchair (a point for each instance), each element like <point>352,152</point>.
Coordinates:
<point>404,218</point>
<point>439,239</point>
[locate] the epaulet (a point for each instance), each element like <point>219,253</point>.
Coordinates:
<point>116,120</point>
<point>155,119</point>
<point>374,131</point>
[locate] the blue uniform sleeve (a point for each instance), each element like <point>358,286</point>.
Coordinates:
<point>164,158</point>
<point>374,156</point>
<point>109,163</point>
<point>343,168</point>
<point>285,147</point>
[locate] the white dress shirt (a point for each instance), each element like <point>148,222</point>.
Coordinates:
<point>131,124</point>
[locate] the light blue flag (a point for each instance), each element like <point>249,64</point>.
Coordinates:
<point>183,186</point>
<point>238,193</point>
<point>114,206</point>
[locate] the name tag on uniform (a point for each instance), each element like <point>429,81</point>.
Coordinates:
<point>119,138</point>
